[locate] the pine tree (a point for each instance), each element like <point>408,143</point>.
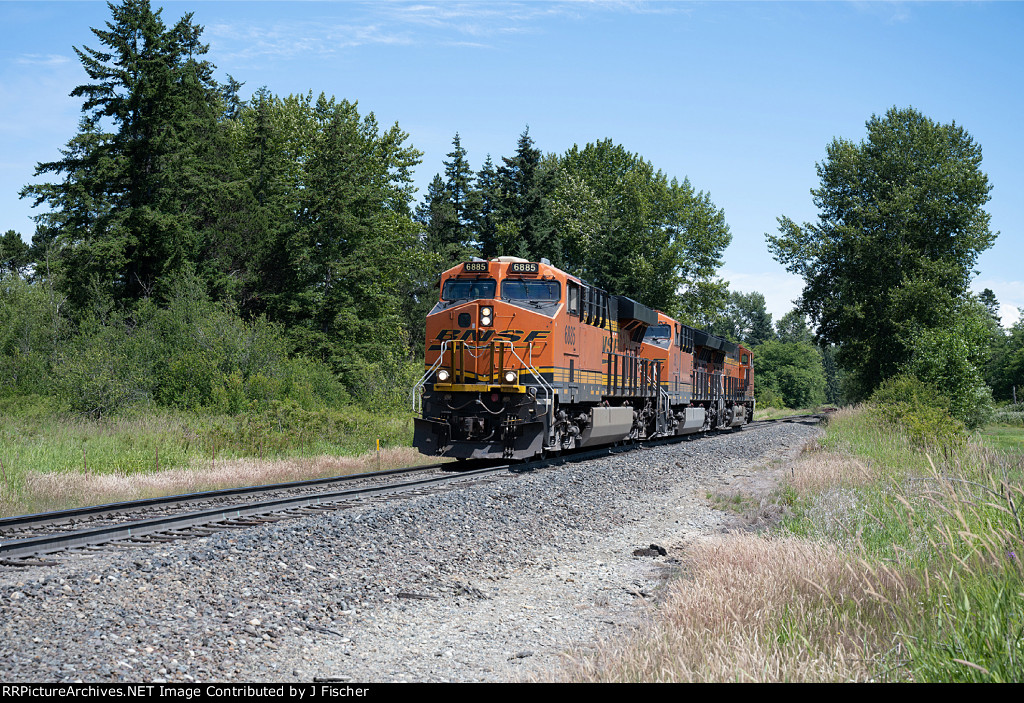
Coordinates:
<point>15,254</point>
<point>144,178</point>
<point>525,185</point>
<point>482,208</point>
<point>458,185</point>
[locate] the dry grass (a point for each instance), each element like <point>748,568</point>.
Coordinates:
<point>817,470</point>
<point>893,565</point>
<point>741,613</point>
<point>55,490</point>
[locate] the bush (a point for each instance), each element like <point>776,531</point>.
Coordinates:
<point>283,427</point>
<point>99,371</point>
<point>768,397</point>
<point>921,411</point>
<point>29,332</point>
<point>951,359</point>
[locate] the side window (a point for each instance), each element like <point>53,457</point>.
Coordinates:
<point>746,360</point>
<point>574,298</point>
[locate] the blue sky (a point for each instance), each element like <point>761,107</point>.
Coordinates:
<point>742,98</point>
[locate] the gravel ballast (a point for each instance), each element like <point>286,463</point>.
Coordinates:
<point>492,581</point>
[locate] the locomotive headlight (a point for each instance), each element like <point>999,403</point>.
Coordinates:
<point>485,316</point>
<point>443,375</point>
<point>510,377</point>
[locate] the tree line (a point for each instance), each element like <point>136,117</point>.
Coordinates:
<point>281,231</point>
<point>199,250</point>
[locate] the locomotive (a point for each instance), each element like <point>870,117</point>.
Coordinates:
<point>524,359</point>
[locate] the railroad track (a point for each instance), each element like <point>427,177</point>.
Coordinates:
<point>25,539</point>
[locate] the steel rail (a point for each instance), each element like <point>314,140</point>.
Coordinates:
<point>57,517</point>
<point>48,544</point>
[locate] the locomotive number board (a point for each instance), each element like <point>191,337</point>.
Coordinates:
<point>475,267</point>
<point>523,267</point>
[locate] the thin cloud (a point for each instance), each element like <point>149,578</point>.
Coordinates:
<point>284,40</point>
<point>43,60</point>
<point>472,25</point>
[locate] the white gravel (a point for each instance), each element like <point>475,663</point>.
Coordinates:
<point>495,581</point>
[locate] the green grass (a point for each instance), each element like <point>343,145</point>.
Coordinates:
<point>35,438</point>
<point>948,522</point>
<point>1004,438</point>
<point>775,413</point>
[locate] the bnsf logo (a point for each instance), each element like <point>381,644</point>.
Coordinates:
<point>488,335</point>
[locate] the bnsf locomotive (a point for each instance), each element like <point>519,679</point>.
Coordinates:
<point>524,359</point>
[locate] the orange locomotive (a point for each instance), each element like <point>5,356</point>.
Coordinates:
<point>523,358</point>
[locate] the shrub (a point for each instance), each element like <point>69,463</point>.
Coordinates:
<point>29,332</point>
<point>951,359</point>
<point>99,378</point>
<point>922,412</point>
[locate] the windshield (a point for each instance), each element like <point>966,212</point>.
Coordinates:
<point>659,336</point>
<point>540,291</point>
<point>458,289</point>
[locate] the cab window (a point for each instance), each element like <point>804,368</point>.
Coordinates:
<point>659,336</point>
<point>542,291</point>
<point>573,293</point>
<point>462,289</point>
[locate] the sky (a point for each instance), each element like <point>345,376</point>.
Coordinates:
<point>742,98</point>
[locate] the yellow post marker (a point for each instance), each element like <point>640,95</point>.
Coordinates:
<point>378,454</point>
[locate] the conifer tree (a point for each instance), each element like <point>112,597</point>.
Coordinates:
<point>483,208</point>
<point>15,254</point>
<point>143,177</point>
<point>525,185</point>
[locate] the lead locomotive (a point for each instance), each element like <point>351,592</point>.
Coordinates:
<point>524,359</point>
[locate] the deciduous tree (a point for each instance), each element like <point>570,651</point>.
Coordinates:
<point>901,224</point>
<point>630,229</point>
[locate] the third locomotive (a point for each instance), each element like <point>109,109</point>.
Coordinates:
<point>524,359</point>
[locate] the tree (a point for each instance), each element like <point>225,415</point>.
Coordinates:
<point>632,231</point>
<point>149,173</point>
<point>900,226</point>
<point>446,213</point>
<point>15,254</point>
<point>746,319</point>
<point>792,327</point>
<point>1005,371</point>
<point>483,204</point>
<point>350,253</point>
<point>792,370</point>
<point>951,357</point>
<point>987,298</point>
<point>458,184</point>
<point>524,185</point>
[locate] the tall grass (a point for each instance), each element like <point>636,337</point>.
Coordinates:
<point>757,609</point>
<point>895,561</point>
<point>50,460</point>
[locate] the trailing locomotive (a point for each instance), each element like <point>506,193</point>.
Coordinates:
<point>523,359</point>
